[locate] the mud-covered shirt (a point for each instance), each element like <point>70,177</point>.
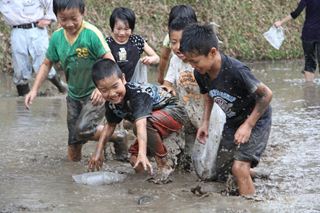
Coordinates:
<point>127,55</point>
<point>77,57</point>
<point>233,89</point>
<point>139,102</point>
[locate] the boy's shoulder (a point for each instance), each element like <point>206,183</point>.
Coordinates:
<point>90,27</point>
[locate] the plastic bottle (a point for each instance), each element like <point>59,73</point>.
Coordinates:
<point>99,178</point>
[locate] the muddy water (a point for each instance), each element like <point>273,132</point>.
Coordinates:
<point>36,177</point>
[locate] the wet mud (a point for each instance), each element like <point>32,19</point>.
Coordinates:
<point>35,175</point>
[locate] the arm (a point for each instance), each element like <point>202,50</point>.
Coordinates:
<point>141,125</point>
<point>264,94</point>
<point>152,57</point>
<point>164,59</point>
<point>202,133</point>
<point>293,15</point>
<point>96,97</point>
<point>41,76</point>
<point>97,158</point>
<point>281,22</point>
<point>49,16</point>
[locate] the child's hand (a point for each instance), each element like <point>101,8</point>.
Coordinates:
<point>169,89</point>
<point>202,134</point>
<point>97,98</point>
<point>242,134</point>
<point>29,98</point>
<point>96,161</point>
<point>147,60</point>
<point>143,160</point>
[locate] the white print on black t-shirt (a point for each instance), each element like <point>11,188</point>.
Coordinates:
<point>222,99</point>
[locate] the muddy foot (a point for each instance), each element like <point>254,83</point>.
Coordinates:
<point>162,176</point>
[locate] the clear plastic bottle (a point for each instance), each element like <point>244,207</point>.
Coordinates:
<point>99,178</point>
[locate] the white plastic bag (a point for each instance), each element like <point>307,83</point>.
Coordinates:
<point>140,73</point>
<point>99,178</point>
<point>204,156</point>
<point>275,36</point>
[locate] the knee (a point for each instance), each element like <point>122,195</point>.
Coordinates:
<point>241,169</point>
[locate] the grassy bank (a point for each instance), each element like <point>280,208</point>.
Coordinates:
<point>242,23</point>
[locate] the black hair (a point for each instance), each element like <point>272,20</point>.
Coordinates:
<point>60,5</point>
<point>104,68</point>
<point>198,39</point>
<point>180,23</point>
<point>182,10</point>
<point>124,14</point>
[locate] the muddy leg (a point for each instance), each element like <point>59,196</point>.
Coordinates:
<point>74,152</point>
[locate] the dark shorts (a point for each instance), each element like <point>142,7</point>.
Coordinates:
<point>83,119</point>
<point>311,51</point>
<point>159,126</point>
<point>250,151</point>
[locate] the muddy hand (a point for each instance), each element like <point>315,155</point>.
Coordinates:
<point>29,98</point>
<point>143,160</point>
<point>96,162</point>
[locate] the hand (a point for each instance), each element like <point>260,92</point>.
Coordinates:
<point>242,134</point>
<point>42,23</point>
<point>97,98</point>
<point>143,160</point>
<point>29,98</point>
<point>147,60</point>
<point>202,134</point>
<point>277,24</point>
<point>96,161</point>
<point>169,89</point>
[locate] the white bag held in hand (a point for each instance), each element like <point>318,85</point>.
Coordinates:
<point>99,178</point>
<point>204,156</point>
<point>275,36</point>
<point>140,73</point>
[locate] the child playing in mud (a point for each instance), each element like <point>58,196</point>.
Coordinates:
<point>182,11</point>
<point>77,45</point>
<point>245,100</point>
<point>126,47</point>
<point>154,112</point>
<point>180,79</point>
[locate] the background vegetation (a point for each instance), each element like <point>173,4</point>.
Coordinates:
<point>242,23</point>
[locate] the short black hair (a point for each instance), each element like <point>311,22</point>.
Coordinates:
<point>124,14</point>
<point>180,23</point>
<point>104,68</point>
<point>198,39</point>
<point>60,5</point>
<point>182,10</point>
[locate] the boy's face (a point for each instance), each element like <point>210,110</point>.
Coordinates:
<point>202,63</point>
<point>70,20</point>
<point>175,37</point>
<point>112,88</point>
<point>121,31</point>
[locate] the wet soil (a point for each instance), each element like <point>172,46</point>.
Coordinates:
<point>35,175</point>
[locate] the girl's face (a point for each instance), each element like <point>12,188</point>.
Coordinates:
<point>121,31</point>
<point>175,37</point>
<point>70,20</point>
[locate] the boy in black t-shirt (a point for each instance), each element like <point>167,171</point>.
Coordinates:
<point>154,112</point>
<point>245,100</point>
